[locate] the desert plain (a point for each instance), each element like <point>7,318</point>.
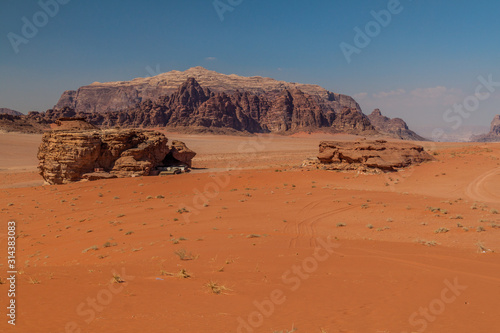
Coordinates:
<point>251,242</point>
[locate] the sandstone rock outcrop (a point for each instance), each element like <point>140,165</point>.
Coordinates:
<point>179,154</point>
<point>72,124</point>
<point>394,127</point>
<point>71,155</point>
<point>493,135</point>
<point>379,154</point>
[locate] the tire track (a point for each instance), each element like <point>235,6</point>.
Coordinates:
<point>477,191</point>
<point>306,228</point>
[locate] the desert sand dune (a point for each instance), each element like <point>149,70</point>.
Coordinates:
<point>336,252</point>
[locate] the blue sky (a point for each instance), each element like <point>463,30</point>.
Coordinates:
<point>426,58</point>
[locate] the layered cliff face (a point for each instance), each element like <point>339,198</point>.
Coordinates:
<point>493,135</point>
<point>117,96</point>
<point>67,156</point>
<point>256,111</point>
<point>395,127</point>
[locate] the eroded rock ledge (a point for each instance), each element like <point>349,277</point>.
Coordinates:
<point>367,156</point>
<point>67,156</point>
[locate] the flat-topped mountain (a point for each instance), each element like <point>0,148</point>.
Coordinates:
<point>493,135</point>
<point>202,100</point>
<point>116,96</point>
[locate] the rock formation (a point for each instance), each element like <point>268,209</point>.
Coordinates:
<point>199,100</point>
<point>179,154</point>
<point>395,127</point>
<point>72,124</point>
<point>10,112</point>
<point>379,154</point>
<point>192,106</point>
<point>118,96</point>
<point>71,155</point>
<point>493,135</point>
<point>12,123</point>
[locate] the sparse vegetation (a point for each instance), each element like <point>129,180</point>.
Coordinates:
<point>182,210</point>
<point>481,247</point>
<point>33,280</point>
<point>441,230</point>
<point>426,243</point>
<point>216,288</point>
<point>92,248</point>
<point>117,279</point>
<point>184,255</point>
<point>340,225</point>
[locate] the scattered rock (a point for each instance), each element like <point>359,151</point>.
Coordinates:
<point>98,175</point>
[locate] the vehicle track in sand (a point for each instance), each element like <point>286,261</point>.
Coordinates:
<point>477,190</point>
<point>305,226</point>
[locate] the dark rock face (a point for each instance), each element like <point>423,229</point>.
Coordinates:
<point>353,121</point>
<point>193,106</point>
<point>118,96</point>
<point>379,154</point>
<point>67,156</point>
<point>493,135</point>
<point>395,127</point>
<point>201,99</point>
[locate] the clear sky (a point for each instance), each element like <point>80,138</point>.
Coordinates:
<point>418,62</point>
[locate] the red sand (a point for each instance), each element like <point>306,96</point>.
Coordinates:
<point>336,252</point>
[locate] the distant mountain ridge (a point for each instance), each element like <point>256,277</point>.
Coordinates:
<point>10,112</point>
<point>493,135</point>
<point>201,100</point>
<point>193,106</point>
<point>395,127</point>
<point>117,96</point>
